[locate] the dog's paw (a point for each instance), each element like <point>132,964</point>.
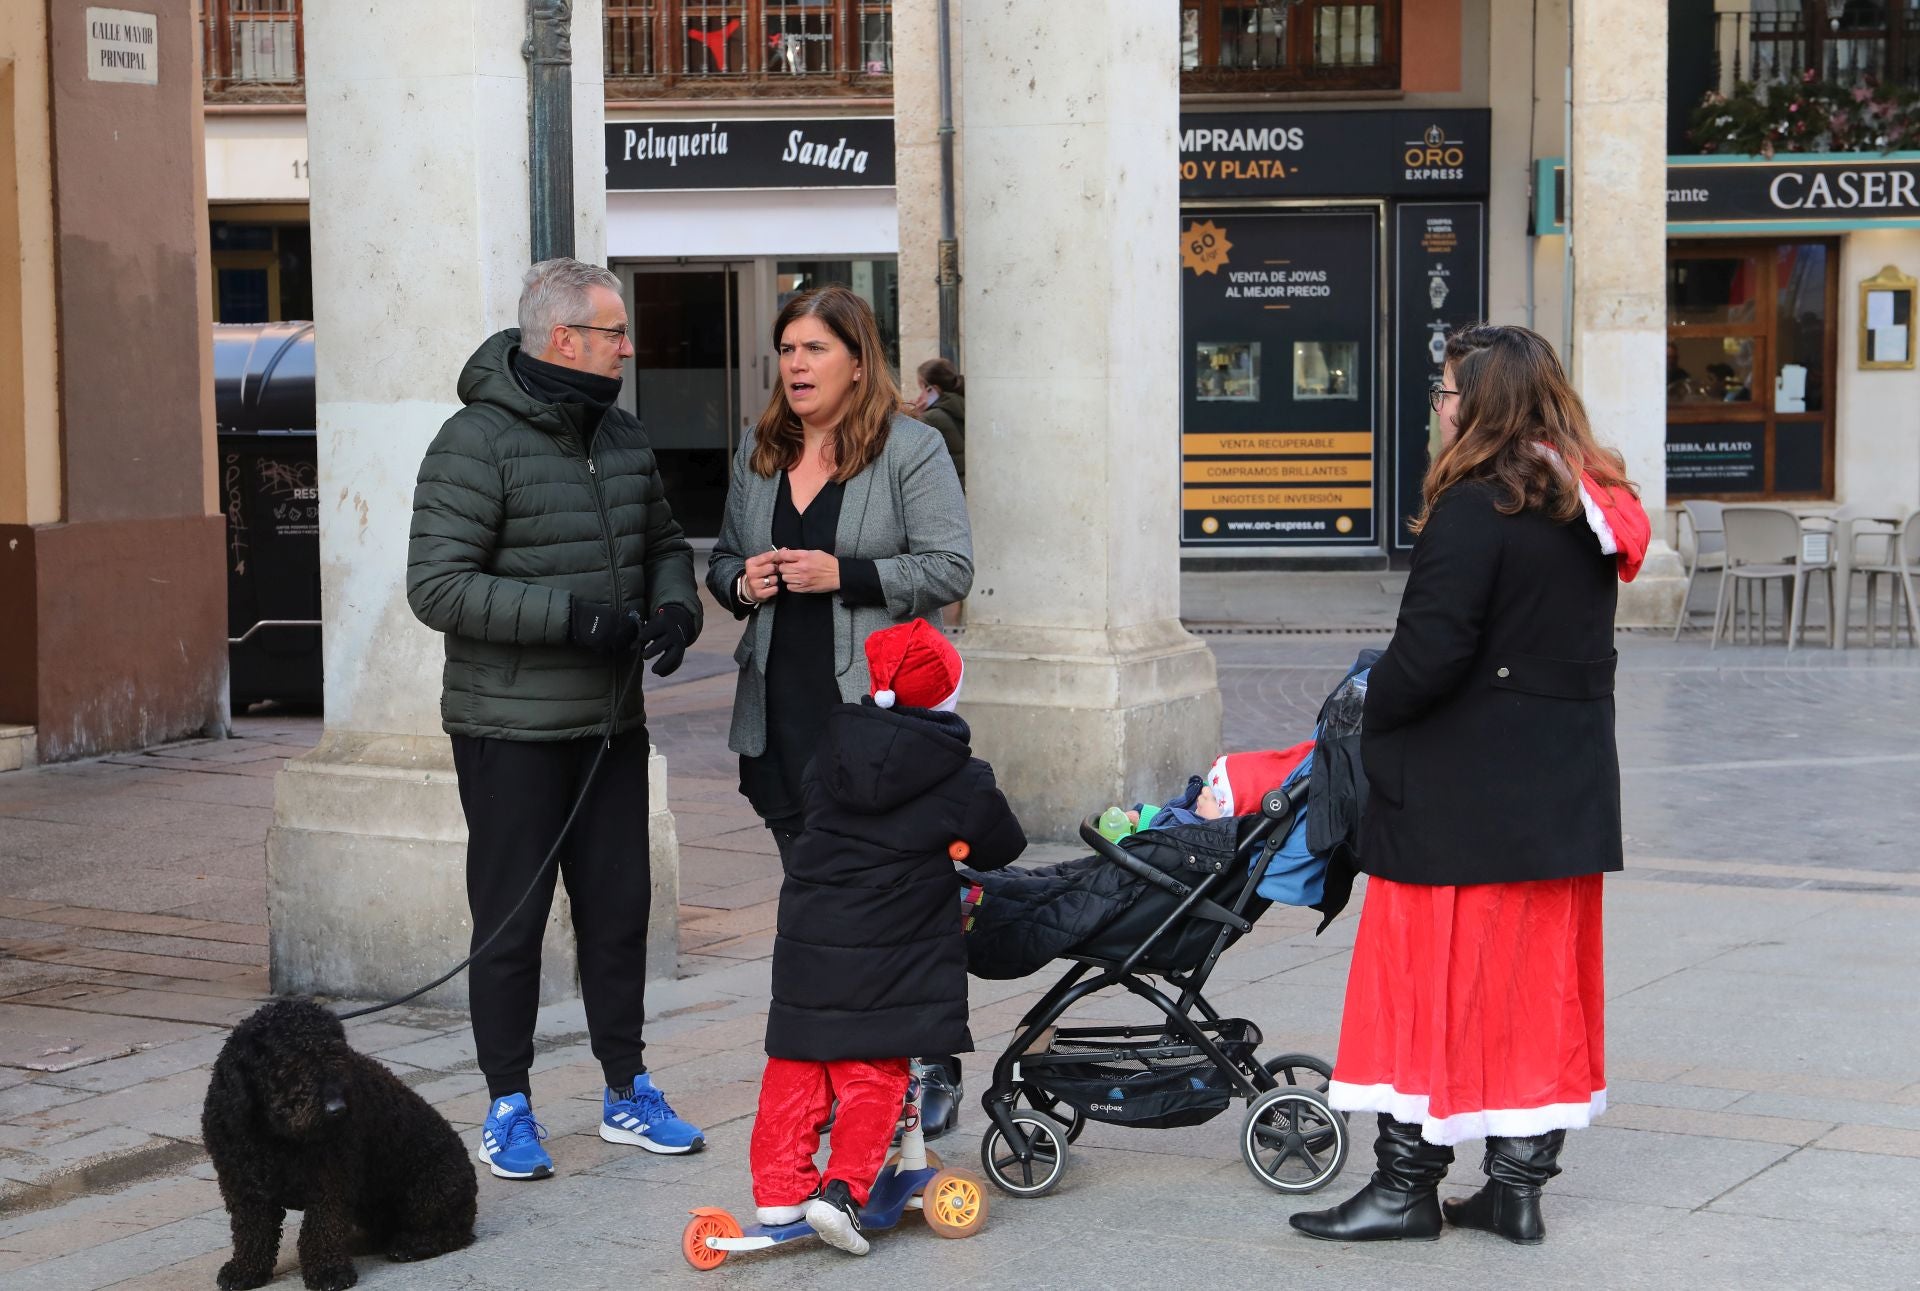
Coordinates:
<point>235,1277</point>
<point>331,1277</point>
<point>408,1248</point>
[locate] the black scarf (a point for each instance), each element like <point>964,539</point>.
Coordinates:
<point>550,383</point>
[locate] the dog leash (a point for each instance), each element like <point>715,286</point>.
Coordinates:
<point>586,786</point>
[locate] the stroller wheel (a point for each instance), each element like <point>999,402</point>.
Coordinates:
<point>1301,1069</point>
<point>1047,1105</point>
<point>1292,1141</point>
<point>1046,1146</point>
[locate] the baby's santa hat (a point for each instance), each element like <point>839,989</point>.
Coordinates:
<point>915,666</point>
<point>1240,780</point>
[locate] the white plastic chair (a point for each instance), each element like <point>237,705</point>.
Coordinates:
<point>1765,544</point>
<point>1901,569</point>
<point>1704,544</point>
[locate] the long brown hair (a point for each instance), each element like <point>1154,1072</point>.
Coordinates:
<point>1514,399</point>
<point>780,439</point>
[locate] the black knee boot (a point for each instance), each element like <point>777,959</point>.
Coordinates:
<point>1400,1204</point>
<point>1517,1169</point>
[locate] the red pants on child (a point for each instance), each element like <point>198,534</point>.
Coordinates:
<point>795,1098</point>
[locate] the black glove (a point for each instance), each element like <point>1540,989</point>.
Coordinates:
<point>667,634</point>
<point>601,628</point>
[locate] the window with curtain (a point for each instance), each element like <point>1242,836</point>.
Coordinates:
<point>1238,45</point>
<point>722,48</point>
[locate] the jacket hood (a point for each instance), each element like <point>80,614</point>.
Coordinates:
<point>871,760</point>
<point>1618,521</point>
<point>955,404</point>
<point>488,378</point>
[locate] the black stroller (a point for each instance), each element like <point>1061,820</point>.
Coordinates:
<point>1184,1070</point>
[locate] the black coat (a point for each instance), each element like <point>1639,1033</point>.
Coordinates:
<point>869,960</point>
<point>1488,736</point>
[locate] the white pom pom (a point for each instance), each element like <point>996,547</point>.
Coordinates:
<point>884,698</point>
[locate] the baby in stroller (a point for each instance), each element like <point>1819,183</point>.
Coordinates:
<point>1020,918</point>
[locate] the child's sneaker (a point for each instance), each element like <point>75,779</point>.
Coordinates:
<point>510,1141</point>
<point>640,1116</point>
<point>836,1218</point>
<point>781,1216</point>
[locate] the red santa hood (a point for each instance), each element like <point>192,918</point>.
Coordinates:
<point>1616,518</point>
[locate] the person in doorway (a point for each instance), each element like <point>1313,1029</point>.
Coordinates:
<point>869,964</point>
<point>1474,1003</point>
<point>844,516</point>
<point>943,406</point>
<point>543,547</point>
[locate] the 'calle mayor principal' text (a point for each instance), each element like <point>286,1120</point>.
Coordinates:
<point>122,34</point>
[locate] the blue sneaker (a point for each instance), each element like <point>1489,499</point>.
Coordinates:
<point>646,1121</point>
<point>510,1141</point>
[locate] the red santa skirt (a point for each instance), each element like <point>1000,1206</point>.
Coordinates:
<point>1475,1011</point>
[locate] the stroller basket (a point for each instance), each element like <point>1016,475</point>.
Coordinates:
<point>1158,1085</point>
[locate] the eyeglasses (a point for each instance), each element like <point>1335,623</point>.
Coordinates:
<point>618,333</point>
<point>1437,392</point>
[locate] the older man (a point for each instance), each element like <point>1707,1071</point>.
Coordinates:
<point>544,549</point>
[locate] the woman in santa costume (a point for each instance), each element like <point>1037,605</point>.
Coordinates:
<point>1474,1005</point>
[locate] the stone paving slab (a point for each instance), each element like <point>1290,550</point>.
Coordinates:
<point>1762,1120</point>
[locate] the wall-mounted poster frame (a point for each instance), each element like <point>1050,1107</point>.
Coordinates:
<point>1886,321</point>
<point>1281,436</point>
<point>1440,283</point>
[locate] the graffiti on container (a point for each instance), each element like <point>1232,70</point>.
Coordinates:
<point>294,489</point>
<point>236,514</point>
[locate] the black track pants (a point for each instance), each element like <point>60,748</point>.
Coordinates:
<point>516,794</point>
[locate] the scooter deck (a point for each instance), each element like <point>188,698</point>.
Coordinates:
<point>885,1204</point>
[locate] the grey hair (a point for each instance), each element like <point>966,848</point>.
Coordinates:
<point>553,294</point>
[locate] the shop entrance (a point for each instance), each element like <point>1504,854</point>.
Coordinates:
<point>1750,369</point>
<point>703,366</point>
<point>1281,374</point>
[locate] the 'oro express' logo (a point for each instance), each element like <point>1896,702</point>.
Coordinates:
<point>1434,156</point>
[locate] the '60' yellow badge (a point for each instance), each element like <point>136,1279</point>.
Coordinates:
<point>1204,247</point>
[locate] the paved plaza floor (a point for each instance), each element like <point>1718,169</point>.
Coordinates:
<point>1764,1127</point>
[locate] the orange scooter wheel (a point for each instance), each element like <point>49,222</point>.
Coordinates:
<point>955,1203</point>
<point>707,1222</point>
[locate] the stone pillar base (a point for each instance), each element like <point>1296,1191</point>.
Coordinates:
<point>366,875</point>
<point>1652,599</point>
<point>1075,721</point>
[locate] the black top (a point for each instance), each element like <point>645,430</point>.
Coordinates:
<point>1487,736</point>
<point>801,689</point>
<point>869,960</point>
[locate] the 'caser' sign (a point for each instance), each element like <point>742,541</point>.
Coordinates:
<point>1841,191</point>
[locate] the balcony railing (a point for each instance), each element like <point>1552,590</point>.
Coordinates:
<point>727,48</point>
<point>1771,42</point>
<point>255,50</point>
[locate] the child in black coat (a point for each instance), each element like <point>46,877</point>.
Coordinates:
<point>869,964</point>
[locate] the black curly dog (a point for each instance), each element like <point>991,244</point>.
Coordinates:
<point>296,1120</point>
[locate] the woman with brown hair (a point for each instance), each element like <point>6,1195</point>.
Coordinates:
<point>943,406</point>
<point>844,517</point>
<point>1474,1004</point>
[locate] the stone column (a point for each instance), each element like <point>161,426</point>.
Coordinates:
<point>420,237</point>
<point>1082,687</point>
<point>916,147</point>
<point>1619,231</point>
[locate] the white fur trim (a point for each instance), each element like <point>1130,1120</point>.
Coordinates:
<point>1596,518</point>
<point>1512,1123</point>
<point>884,698</point>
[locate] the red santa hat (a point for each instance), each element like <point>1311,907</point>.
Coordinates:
<point>915,666</point>
<point>1240,780</point>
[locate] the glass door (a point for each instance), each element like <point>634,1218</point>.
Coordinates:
<point>1750,370</point>
<point>686,381</point>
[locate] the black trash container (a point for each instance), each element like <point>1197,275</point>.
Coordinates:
<point>269,490</point>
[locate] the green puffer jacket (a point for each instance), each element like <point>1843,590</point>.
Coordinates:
<point>511,520</point>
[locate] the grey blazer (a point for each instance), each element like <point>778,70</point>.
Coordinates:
<point>905,513</point>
